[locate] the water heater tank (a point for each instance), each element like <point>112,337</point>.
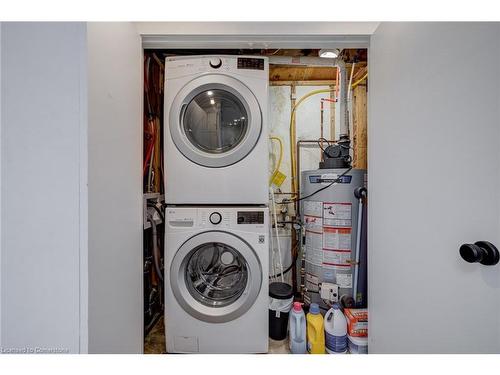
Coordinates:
<point>330,220</point>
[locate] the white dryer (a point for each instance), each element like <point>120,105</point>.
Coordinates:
<point>216,137</point>
<point>216,279</point>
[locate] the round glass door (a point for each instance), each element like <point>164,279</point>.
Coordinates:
<point>215,276</point>
<point>215,120</point>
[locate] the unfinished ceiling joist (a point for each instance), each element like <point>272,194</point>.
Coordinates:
<point>279,73</point>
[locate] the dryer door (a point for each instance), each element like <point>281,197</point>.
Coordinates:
<point>216,276</point>
<point>215,120</point>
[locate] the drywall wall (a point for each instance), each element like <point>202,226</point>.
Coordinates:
<point>71,120</point>
<point>433,185</point>
<point>42,66</point>
<point>115,188</point>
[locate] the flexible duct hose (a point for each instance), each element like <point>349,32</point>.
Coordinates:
<point>156,249</point>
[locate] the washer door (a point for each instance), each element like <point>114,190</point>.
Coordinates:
<point>215,120</point>
<point>215,276</point>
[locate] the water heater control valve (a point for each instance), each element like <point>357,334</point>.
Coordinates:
<point>329,292</point>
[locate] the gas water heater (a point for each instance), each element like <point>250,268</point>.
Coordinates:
<point>333,213</point>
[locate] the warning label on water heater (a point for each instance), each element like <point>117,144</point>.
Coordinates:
<point>337,214</point>
<point>336,238</point>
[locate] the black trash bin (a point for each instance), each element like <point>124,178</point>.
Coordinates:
<point>280,303</point>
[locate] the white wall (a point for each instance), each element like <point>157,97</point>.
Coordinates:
<point>42,67</point>
<point>71,259</point>
<point>115,188</point>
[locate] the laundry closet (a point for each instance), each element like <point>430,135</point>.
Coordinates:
<point>227,136</point>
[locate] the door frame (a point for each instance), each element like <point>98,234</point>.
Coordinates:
<point>164,36</point>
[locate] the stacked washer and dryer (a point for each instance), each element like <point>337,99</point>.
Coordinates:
<point>217,220</point>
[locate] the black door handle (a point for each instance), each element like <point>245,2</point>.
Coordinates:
<point>482,252</point>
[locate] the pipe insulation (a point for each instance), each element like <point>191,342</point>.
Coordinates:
<point>321,61</point>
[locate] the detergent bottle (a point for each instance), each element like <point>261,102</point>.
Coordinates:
<point>335,331</point>
<point>315,331</point>
<point>297,324</point>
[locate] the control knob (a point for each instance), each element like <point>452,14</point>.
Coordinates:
<point>215,63</point>
<point>215,218</point>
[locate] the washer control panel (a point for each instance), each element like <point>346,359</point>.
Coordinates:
<point>220,218</point>
<point>250,217</point>
<point>250,63</point>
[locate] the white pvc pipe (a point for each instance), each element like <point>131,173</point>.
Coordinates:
<point>357,250</point>
<point>277,237</point>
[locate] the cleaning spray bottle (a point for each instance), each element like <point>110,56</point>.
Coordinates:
<point>315,331</point>
<point>297,326</point>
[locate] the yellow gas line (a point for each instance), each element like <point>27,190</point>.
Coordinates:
<point>359,81</point>
<point>293,136</point>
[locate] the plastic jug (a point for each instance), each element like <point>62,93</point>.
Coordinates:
<point>297,324</point>
<point>315,331</point>
<point>335,331</point>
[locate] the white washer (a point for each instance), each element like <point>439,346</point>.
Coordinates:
<point>216,279</point>
<point>216,137</point>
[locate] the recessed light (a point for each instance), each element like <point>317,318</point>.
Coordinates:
<point>210,93</point>
<point>212,101</point>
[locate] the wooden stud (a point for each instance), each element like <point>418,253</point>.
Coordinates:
<point>360,127</point>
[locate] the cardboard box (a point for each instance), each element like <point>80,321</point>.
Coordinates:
<point>357,322</point>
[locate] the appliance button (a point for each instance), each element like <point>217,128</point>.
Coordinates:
<point>215,63</point>
<point>215,218</point>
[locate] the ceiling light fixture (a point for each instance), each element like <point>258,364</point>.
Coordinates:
<point>330,53</point>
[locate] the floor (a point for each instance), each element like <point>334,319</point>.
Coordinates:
<point>155,342</point>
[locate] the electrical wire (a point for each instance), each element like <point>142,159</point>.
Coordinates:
<point>284,272</point>
<point>334,182</point>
